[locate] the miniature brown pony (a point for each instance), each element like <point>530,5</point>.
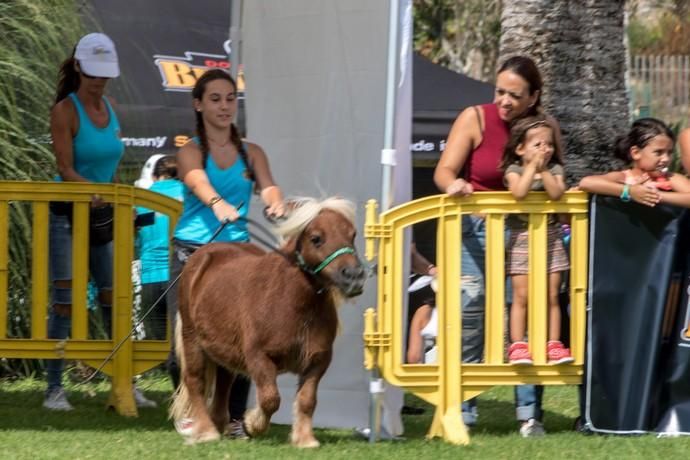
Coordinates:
<point>244,310</point>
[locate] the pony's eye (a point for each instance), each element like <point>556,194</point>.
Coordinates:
<point>316,240</point>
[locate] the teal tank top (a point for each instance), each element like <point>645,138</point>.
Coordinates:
<point>154,239</point>
<point>96,151</point>
<point>198,223</point>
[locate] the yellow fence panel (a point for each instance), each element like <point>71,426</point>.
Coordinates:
<point>448,382</point>
<point>134,356</point>
<point>4,265</point>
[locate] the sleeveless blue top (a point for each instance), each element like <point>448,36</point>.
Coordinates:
<point>198,223</point>
<point>153,239</point>
<point>96,151</point>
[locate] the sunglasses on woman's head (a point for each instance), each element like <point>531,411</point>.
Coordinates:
<point>91,77</point>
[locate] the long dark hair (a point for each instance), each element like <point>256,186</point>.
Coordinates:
<point>166,166</point>
<point>68,78</point>
<point>640,134</point>
<point>528,70</point>
<point>518,133</point>
<point>198,93</point>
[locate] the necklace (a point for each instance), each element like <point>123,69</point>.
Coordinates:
<point>218,144</point>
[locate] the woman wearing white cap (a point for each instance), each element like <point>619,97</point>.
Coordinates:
<point>87,146</point>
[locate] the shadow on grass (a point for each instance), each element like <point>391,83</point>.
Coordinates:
<point>23,410</point>
<point>496,418</point>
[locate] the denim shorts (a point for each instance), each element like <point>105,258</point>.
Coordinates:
<point>100,260</point>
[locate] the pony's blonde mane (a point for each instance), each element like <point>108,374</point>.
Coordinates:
<point>306,209</point>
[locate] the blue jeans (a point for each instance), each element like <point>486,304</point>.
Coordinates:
<point>528,398</point>
<point>101,270</point>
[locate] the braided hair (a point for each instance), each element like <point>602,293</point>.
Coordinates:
<point>198,93</point>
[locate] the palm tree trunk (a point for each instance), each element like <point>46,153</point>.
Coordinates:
<point>579,48</point>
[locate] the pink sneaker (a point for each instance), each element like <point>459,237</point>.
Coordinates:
<point>518,353</point>
<point>557,353</point>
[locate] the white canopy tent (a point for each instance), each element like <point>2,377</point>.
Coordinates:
<point>316,100</point>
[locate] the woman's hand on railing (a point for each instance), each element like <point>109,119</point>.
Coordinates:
<point>97,201</point>
<point>459,187</point>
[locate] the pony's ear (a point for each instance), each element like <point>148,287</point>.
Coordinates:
<point>289,246</point>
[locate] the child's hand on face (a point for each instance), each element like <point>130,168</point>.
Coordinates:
<point>538,160</point>
<point>645,195</point>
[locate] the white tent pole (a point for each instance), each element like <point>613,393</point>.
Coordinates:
<point>388,151</point>
<point>235,36</point>
<point>376,386</point>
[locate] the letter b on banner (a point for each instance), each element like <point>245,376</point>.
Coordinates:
<point>178,75</point>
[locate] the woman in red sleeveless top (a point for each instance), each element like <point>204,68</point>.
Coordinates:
<point>469,163</point>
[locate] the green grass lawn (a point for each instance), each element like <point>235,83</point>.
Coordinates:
<point>89,432</point>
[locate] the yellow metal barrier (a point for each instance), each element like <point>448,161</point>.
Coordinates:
<point>133,357</point>
<point>448,382</point>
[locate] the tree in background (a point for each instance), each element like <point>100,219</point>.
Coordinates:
<point>462,35</point>
<point>36,35</point>
<point>579,47</point>
<point>659,27</point>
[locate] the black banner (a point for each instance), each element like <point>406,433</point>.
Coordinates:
<point>163,47</point>
<point>638,355</point>
<point>438,96</point>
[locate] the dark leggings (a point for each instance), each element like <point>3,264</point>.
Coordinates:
<point>155,323</point>
<point>240,387</point>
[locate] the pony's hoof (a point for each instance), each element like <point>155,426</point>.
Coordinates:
<point>255,423</point>
<point>306,444</point>
<point>206,436</point>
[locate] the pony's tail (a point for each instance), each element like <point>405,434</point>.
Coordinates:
<point>180,406</point>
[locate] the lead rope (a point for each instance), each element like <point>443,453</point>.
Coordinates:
<point>271,245</point>
<point>143,317</point>
<point>157,301</point>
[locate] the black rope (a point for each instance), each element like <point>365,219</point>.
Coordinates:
<point>143,317</point>
<point>273,245</point>
<point>269,244</point>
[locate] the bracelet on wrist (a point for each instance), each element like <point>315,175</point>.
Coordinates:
<point>625,194</point>
<point>429,267</point>
<point>213,201</point>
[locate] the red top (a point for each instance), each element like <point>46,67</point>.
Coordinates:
<point>660,182</point>
<point>481,169</point>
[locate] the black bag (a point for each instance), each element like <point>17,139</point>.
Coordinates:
<point>101,225</point>
<point>100,221</point>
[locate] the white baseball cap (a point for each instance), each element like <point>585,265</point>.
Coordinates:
<point>146,178</point>
<point>97,56</point>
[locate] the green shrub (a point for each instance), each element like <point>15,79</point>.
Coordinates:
<point>36,36</point>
